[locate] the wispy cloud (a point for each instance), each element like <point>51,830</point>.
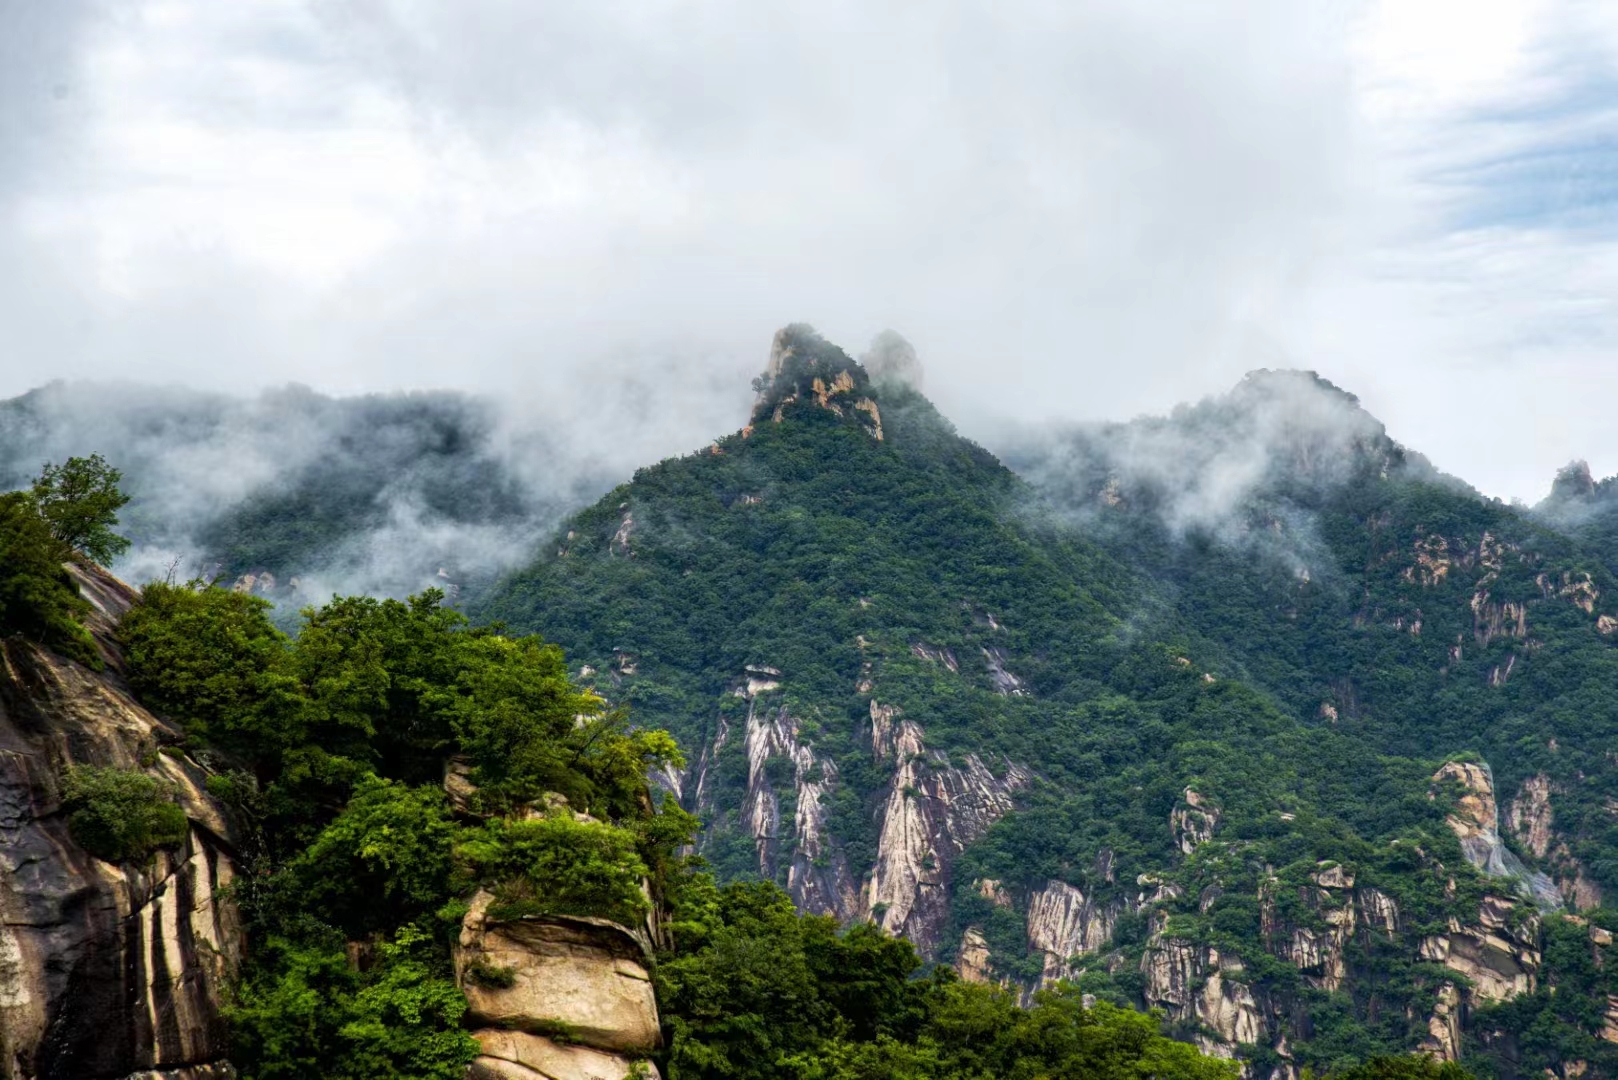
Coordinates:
<point>1081,210</point>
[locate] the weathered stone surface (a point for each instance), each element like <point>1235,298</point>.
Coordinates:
<point>1193,822</point>
<point>934,809</point>
<point>105,971</point>
<point>1197,983</point>
<point>1443,1039</point>
<point>1380,911</point>
<point>1476,823</point>
<point>518,1055</point>
<point>818,877</point>
<point>1063,923</point>
<point>1499,959</point>
<point>972,963</point>
<point>586,977</point>
<point>1531,817</point>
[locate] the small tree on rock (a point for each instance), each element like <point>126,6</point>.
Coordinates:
<point>80,500</point>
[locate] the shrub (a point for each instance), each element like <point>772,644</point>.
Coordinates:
<point>119,815</point>
<point>38,599</point>
<point>559,865</point>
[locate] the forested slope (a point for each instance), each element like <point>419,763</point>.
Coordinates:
<point>1170,716</point>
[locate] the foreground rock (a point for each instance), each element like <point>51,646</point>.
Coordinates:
<point>106,971</point>
<point>555,996</point>
<point>517,1055</point>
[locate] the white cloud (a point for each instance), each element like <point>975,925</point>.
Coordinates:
<point>1075,210</point>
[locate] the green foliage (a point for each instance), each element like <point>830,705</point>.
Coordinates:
<point>1407,1067</point>
<point>211,659</point>
<point>38,599</point>
<point>303,1010</point>
<point>79,500</point>
<point>558,865</point>
<point>761,991</point>
<point>120,815</point>
<point>384,861</point>
<point>1122,659</point>
<point>343,736</point>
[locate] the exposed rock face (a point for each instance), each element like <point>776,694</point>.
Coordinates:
<point>1197,984</point>
<point>817,875</point>
<point>1380,911</point>
<point>585,978</point>
<point>1194,822</point>
<point>105,971</point>
<point>1063,923</point>
<point>1531,815</point>
<point>1476,822</point>
<point>1443,1039</point>
<point>1499,955</point>
<point>802,367</point>
<point>972,963</point>
<point>517,1055</point>
<point>934,809</point>
<point>1318,949</point>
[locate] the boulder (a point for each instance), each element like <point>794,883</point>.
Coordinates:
<point>579,977</point>
<point>517,1055</point>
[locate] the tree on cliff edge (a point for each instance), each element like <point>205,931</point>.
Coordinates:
<point>79,499</point>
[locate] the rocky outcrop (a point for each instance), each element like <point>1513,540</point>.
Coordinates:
<point>804,367</point>
<point>1475,821</point>
<point>972,961</point>
<point>818,877</point>
<point>933,810</point>
<point>1499,955</point>
<point>1443,1040</point>
<point>1532,822</point>
<point>1531,815</point>
<point>1193,822</point>
<point>817,873</point>
<point>1197,984</point>
<point>517,1055</point>
<point>1379,911</point>
<point>105,970</point>
<point>549,994</point>
<point>1063,923</point>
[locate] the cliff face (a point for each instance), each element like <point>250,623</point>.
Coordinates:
<point>105,971</point>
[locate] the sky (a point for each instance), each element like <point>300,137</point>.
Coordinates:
<point>1076,209</point>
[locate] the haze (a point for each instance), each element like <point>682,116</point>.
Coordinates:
<point>1076,210</point>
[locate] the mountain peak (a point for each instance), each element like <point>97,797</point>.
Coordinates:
<point>806,369</point>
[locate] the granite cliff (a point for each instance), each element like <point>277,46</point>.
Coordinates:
<point>106,970</point>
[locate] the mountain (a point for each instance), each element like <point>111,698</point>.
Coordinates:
<point>1248,713</point>
<point>293,495</point>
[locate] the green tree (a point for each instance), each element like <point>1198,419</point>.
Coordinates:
<point>303,1010</point>
<point>120,814</point>
<point>38,599</point>
<point>79,499</point>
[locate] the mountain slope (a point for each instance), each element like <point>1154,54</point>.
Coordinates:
<point>1158,730</point>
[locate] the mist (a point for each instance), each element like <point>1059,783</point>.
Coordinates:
<point>1080,212</point>
<point>295,495</point>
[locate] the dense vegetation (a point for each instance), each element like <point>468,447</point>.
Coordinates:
<point>1302,661</point>
<point>1283,657</point>
<point>332,749</point>
<point>67,514</point>
<point>341,736</point>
